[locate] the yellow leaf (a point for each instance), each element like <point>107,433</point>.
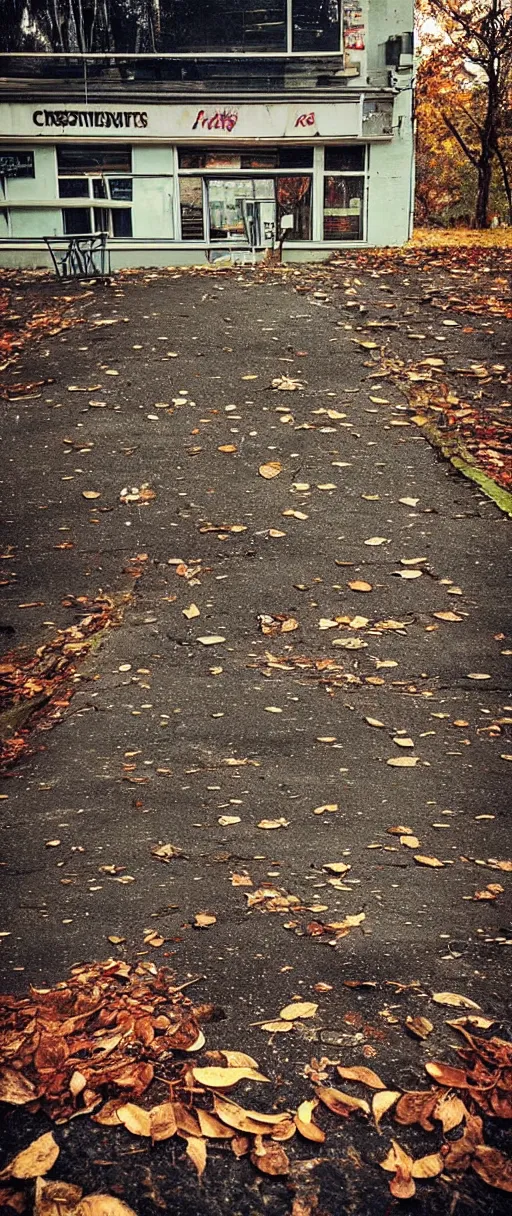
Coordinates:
<point>433,862</point>
<point>447,616</point>
<point>365,1075</point>
<point>191,612</point>
<point>337,867</point>
<point>103,1205</point>
<point>14,1088</point>
<point>377,540</point>
<point>211,640</point>
<point>224,1078</point>
<point>35,1160</point>
<point>339,1102</point>
<point>227,447</point>
<point>91,494</point>
<point>196,1150</point>
<point>276,1027</point>
<point>298,1009</point>
<point>135,1119</point>
<point>163,1121</point>
<point>271,469</point>
<point>360,585</point>
<point>428,1167</point>
<point>269,824</point>
<point>403,761</point>
<point>203,920</point>
<point>454,999</point>
<point>212,1127</point>
<point>383,1101</point>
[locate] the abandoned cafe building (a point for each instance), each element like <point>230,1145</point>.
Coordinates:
<point>249,121</point>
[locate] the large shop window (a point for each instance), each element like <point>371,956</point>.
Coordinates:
<point>278,25</point>
<point>91,177</point>
<point>344,193</point>
<point>242,206</point>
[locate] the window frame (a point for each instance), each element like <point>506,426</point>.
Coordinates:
<point>364,176</point>
<point>89,202</point>
<point>287,49</point>
<point>235,175</point>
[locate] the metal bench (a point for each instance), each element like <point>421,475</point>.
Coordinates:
<point>80,256</point>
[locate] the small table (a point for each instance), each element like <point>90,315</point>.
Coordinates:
<point>81,255</point>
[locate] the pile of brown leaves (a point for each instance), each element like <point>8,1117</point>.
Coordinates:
<point>17,330</point>
<point>64,1049</point>
<point>95,1044</point>
<point>40,682</point>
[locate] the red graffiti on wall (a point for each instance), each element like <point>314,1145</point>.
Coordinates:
<point>306,120</point>
<point>221,120</point>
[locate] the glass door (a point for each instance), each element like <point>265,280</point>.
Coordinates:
<point>242,209</point>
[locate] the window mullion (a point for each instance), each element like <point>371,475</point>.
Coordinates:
<point>289,27</point>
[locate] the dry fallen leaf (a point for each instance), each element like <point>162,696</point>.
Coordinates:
<point>269,1157</point>
<point>341,1103</point>
<point>420,1027</point>
<point>298,1009</point>
<point>304,1122</point>
<point>433,862</point>
<point>55,1198</point>
<point>248,1121</point>
<point>203,920</point>
<point>191,612</point>
<point>14,1088</point>
<point>91,494</point>
<point>360,585</point>
<point>454,999</point>
<point>269,824</point>
<point>382,1101</point>
<point>224,1078</point>
<point>35,1160</point>
<point>403,761</point>
<point>376,540</point>
<point>135,1119</point>
<point>196,1150</point>
<point>271,469</point>
<point>103,1205</point>
<point>163,1121</point>
<point>365,1075</point>
<point>428,1167</point>
<point>400,1164</point>
<point>493,1167</point>
<point>276,1027</point>
<point>211,640</point>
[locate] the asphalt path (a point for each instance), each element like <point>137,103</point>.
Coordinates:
<point>294,717</point>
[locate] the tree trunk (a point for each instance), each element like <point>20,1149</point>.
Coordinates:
<point>484,188</point>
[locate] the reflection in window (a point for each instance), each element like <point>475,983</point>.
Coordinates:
<point>73,187</point>
<point>86,159</point>
<point>316,25</point>
<point>212,25</point>
<point>343,208</point>
<point>121,223</point>
<point>351,159</point>
<point>191,204</point>
<point>294,198</point>
<point>76,220</point>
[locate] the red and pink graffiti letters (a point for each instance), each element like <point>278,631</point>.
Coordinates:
<point>306,120</point>
<point>221,120</point>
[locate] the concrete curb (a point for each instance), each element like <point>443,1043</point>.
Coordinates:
<point>454,450</point>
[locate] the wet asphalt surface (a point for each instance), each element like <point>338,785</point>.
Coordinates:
<point>146,753</point>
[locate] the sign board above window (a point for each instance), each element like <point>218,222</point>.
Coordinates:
<point>201,121</point>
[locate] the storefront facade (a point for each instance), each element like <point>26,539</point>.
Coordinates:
<point>183,178</point>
